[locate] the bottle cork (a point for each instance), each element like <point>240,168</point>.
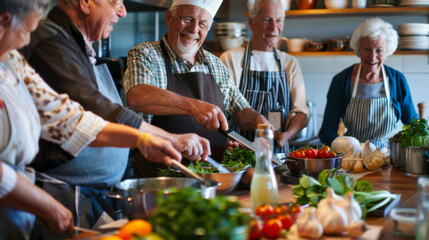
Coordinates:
<point>422,108</point>
<point>263,126</point>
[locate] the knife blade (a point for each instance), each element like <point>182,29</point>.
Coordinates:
<point>245,143</point>
<point>217,165</point>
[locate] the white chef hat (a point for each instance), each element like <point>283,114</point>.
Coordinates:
<point>209,5</point>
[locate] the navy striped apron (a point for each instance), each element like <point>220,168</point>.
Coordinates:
<point>264,90</point>
<point>371,119</point>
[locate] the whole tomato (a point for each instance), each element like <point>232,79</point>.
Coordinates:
<point>280,209</point>
<point>300,154</point>
<point>332,154</point>
<point>264,211</point>
<point>327,148</point>
<point>255,231</point>
<point>311,153</point>
<point>272,228</point>
<point>322,153</point>
<point>292,154</point>
<point>286,221</point>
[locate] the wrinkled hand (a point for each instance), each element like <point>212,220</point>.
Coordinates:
<point>159,150</point>
<point>59,219</point>
<point>192,146</point>
<point>210,116</point>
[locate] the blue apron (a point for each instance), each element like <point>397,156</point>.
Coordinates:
<point>80,183</point>
<point>371,119</point>
<point>264,91</point>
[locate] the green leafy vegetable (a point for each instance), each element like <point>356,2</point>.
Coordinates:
<point>238,158</point>
<point>185,214</point>
<point>311,191</point>
<point>415,134</point>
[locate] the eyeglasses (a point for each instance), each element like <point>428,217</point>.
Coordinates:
<point>187,20</point>
<point>117,4</point>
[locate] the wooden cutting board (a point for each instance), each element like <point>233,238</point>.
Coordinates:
<point>373,232</point>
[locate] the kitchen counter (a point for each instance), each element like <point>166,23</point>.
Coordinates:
<point>387,178</point>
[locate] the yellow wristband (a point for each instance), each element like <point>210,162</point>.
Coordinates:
<point>144,137</point>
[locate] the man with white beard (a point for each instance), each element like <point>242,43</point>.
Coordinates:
<point>180,87</point>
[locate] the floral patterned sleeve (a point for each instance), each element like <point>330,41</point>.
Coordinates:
<point>63,120</point>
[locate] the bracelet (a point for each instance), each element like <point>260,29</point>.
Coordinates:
<point>144,137</point>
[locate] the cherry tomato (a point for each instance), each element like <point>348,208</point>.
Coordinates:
<point>272,228</point>
<point>292,154</point>
<point>280,209</point>
<point>255,231</point>
<point>322,153</point>
<point>286,221</point>
<point>303,148</point>
<point>327,148</point>
<point>311,153</point>
<point>300,154</point>
<point>264,211</point>
<point>332,154</point>
<point>296,209</point>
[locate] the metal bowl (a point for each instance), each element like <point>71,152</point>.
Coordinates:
<point>416,161</point>
<point>312,167</point>
<point>138,196</point>
<point>228,181</point>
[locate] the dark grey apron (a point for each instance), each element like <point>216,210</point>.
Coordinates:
<point>196,85</point>
<point>80,184</point>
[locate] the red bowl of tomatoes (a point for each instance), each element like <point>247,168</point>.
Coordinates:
<point>312,161</point>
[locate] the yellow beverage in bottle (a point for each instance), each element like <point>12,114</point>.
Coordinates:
<point>263,190</point>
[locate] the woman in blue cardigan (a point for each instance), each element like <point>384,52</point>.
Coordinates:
<point>369,96</point>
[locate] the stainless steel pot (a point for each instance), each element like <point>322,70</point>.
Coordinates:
<point>397,155</point>
<point>416,161</point>
<point>312,167</point>
<point>138,196</point>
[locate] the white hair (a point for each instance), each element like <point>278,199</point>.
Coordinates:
<point>253,6</point>
<point>71,3</point>
<point>20,9</point>
<point>375,28</point>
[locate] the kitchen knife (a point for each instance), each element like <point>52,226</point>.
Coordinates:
<point>217,165</point>
<point>245,143</point>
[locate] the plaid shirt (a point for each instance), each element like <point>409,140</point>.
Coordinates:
<point>145,65</point>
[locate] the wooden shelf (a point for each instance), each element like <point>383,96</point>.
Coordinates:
<point>351,53</point>
<point>358,11</point>
<point>339,53</point>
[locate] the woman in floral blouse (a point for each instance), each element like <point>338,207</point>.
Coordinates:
<point>30,109</point>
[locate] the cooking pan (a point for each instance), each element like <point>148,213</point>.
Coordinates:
<point>138,196</point>
<point>312,167</point>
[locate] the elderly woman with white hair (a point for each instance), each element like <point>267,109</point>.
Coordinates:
<point>370,96</point>
<point>270,80</point>
<point>30,109</point>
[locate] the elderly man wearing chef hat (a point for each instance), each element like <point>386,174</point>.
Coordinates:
<point>270,80</point>
<point>180,87</point>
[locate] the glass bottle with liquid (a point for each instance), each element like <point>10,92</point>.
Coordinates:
<point>422,230</point>
<point>263,189</point>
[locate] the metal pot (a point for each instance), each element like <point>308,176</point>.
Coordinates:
<point>397,155</point>
<point>416,161</point>
<point>138,196</point>
<point>312,167</point>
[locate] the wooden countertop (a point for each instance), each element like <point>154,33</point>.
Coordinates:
<point>387,178</point>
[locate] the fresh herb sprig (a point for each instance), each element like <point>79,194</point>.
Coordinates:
<point>185,214</point>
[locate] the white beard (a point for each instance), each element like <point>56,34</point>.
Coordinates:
<point>186,51</point>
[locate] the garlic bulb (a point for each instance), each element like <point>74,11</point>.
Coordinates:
<point>350,207</point>
<point>356,228</point>
<point>307,225</point>
<point>332,195</point>
<point>332,218</point>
